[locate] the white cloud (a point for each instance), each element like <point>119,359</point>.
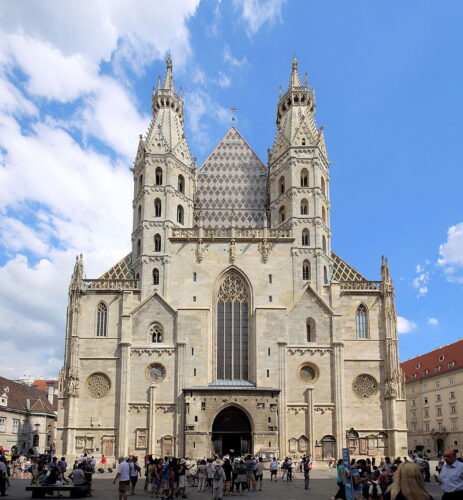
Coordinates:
<point>404,325</point>
<point>223,80</point>
<point>433,321</point>
<point>256,13</point>
<point>421,281</point>
<point>229,58</point>
<point>451,253</point>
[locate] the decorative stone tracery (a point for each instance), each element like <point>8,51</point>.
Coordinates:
<point>98,385</point>
<point>365,386</point>
<point>232,289</point>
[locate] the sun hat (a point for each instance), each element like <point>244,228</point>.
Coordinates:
<point>218,462</point>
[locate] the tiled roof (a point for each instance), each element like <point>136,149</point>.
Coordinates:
<point>120,271</point>
<point>441,360</point>
<point>18,394</point>
<point>44,385</point>
<point>342,271</point>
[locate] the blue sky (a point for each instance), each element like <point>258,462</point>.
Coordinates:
<point>75,89</point>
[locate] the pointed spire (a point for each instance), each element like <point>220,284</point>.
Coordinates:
<point>295,81</point>
<point>169,81</point>
<point>159,82</point>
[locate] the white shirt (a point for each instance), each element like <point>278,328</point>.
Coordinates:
<point>123,469</point>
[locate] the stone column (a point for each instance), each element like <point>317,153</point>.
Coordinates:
<point>152,420</point>
<point>282,398</point>
<point>338,374</point>
<point>123,417</point>
<point>180,400</point>
<point>309,420</point>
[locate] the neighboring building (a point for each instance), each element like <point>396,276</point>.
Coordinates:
<point>27,419</point>
<point>232,325</point>
<point>49,386</point>
<point>434,385</point>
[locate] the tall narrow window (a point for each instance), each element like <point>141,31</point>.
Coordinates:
<point>181,183</point>
<point>305,238</point>
<point>322,183</point>
<point>159,176</point>
<point>155,333</point>
<point>310,330</point>
<point>155,276</point>
<point>304,177</point>
<point>325,275</point>
<point>139,214</point>
<point>232,329</point>
<point>304,207</point>
<point>140,183</point>
<point>157,242</point>
<point>180,214</point>
<point>362,322</point>
<point>323,214</point>
<point>282,214</point>
<point>281,184</point>
<point>324,243</point>
<point>157,207</point>
<point>138,248</point>
<point>101,319</point>
<point>306,270</point>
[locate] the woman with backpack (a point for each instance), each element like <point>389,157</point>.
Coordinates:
<point>218,478</point>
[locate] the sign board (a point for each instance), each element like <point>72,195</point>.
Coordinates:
<point>349,489</point>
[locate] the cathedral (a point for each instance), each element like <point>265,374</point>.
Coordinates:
<point>231,326</point>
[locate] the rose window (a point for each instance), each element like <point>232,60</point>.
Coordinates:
<point>365,386</point>
<point>98,385</point>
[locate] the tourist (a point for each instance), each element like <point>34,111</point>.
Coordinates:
<point>63,465</point>
<point>3,476</point>
<point>165,476</point>
<point>209,473</point>
<point>182,478</point>
<point>341,493</point>
<point>306,467</point>
<point>134,472</point>
<point>259,473</point>
<point>149,462</point>
<point>451,477</point>
<point>228,469</point>
<point>241,479</point>
<point>273,469</point>
<point>77,476</point>
<point>289,469</point>
<point>218,478</point>
<point>358,478</point>
<point>123,474</point>
<point>408,484</point>
<point>202,475</point>
<point>103,463</point>
<point>330,461</point>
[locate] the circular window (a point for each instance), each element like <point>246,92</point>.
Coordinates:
<point>155,372</point>
<point>308,373</point>
<point>98,385</point>
<point>365,386</point>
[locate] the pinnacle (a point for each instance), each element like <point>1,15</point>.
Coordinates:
<point>294,81</point>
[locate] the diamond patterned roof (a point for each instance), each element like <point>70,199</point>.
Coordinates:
<point>343,272</point>
<point>120,271</point>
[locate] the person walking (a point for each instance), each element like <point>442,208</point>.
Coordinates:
<point>451,477</point>
<point>341,493</point>
<point>123,474</point>
<point>218,478</point>
<point>259,473</point>
<point>135,472</point>
<point>202,476</point>
<point>273,469</point>
<point>408,484</point>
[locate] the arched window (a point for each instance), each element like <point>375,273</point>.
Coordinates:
<point>281,184</point>
<point>138,248</point>
<point>155,276</point>
<point>181,183</point>
<point>157,207</point>
<point>159,176</point>
<point>323,214</point>
<point>140,183</point>
<point>304,177</point>
<point>232,328</point>
<point>36,440</point>
<point>139,214</point>
<point>282,214</point>
<point>303,141</point>
<point>155,333</point>
<point>101,319</point>
<point>310,330</point>
<point>304,207</point>
<point>305,238</point>
<point>362,322</point>
<point>157,242</point>
<point>180,215</point>
<point>324,243</point>
<point>322,183</point>
<point>306,270</point>
<point>325,275</point>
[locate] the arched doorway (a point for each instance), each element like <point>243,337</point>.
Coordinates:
<point>328,443</point>
<point>231,432</point>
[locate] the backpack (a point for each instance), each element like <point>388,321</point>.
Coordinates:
<point>217,476</point>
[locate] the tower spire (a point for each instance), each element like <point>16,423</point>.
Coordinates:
<point>169,81</point>
<point>294,81</point>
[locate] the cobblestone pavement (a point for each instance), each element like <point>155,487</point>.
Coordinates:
<point>322,487</point>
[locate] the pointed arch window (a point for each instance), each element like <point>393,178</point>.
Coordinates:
<point>180,214</point>
<point>282,214</point>
<point>101,320</point>
<point>158,176</point>
<point>305,238</point>
<point>181,183</point>
<point>140,183</point>
<point>155,276</point>
<point>323,214</point>
<point>157,207</point>
<point>304,177</point>
<point>310,330</point>
<point>306,270</point>
<point>362,322</point>
<point>303,141</point>
<point>323,187</point>
<point>325,275</point>
<point>156,333</point>
<point>304,207</point>
<point>157,242</point>
<point>138,248</point>
<point>281,184</point>
<point>232,328</point>
<point>139,214</point>
<point>324,243</point>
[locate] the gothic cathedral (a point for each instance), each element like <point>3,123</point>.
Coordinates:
<point>231,326</point>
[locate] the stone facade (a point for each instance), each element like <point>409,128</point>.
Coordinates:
<point>232,325</point>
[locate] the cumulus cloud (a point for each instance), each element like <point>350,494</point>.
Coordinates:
<point>404,325</point>
<point>223,80</point>
<point>451,253</point>
<point>256,13</point>
<point>421,281</point>
<point>229,58</point>
<point>433,321</point>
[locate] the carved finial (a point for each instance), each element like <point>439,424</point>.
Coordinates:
<point>279,92</point>
<point>294,80</point>
<point>169,81</point>
<point>306,80</point>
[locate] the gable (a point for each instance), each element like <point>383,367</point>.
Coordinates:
<point>232,185</point>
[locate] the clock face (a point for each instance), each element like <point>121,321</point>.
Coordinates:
<point>156,372</point>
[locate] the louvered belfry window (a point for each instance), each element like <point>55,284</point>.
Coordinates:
<point>232,329</point>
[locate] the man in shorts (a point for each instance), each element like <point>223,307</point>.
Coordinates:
<point>123,474</point>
